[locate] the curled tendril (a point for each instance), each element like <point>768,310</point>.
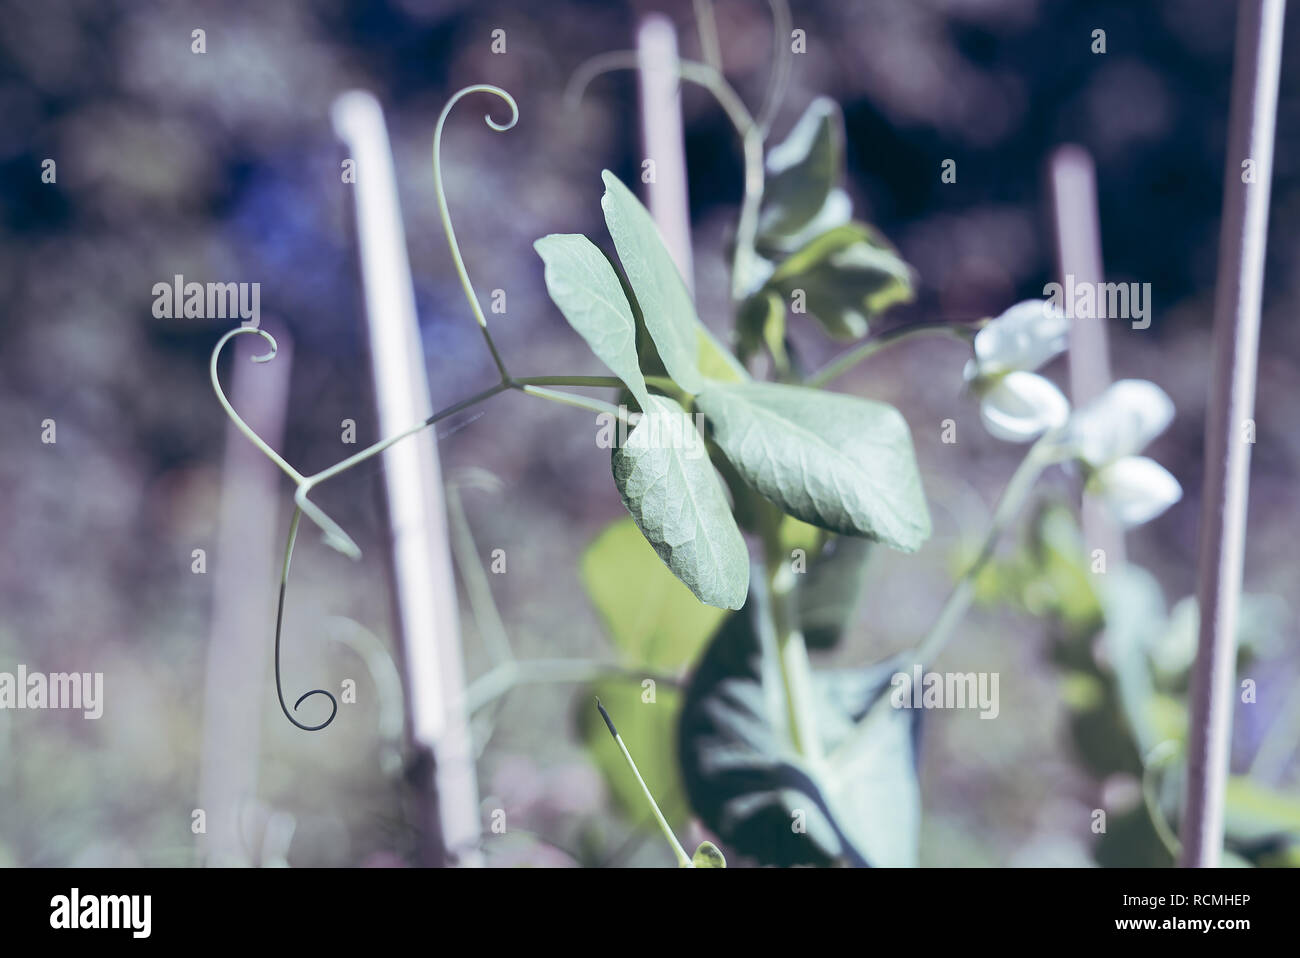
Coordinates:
<point>237,419</point>
<point>465,283</point>
<point>279,631</point>
<point>334,534</point>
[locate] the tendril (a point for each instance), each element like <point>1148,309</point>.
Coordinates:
<point>691,71</point>
<point>279,631</point>
<point>780,79</point>
<point>334,534</point>
<point>237,419</point>
<point>465,283</point>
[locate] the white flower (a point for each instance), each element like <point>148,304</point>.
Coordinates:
<point>1016,404</point>
<point>1108,433</point>
<point>1020,406</point>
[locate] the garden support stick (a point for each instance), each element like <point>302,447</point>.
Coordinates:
<point>662,139</point>
<point>1242,240</point>
<point>244,566</point>
<point>1078,255</point>
<point>424,590</point>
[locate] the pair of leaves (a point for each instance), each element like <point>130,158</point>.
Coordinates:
<point>837,462</point>
<point>860,807</point>
<point>843,273</point>
<point>667,484</point>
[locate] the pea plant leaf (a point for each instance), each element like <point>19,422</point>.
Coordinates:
<point>803,169</point>
<point>846,276</point>
<point>665,303</point>
<point>650,731</point>
<point>860,807</point>
<point>652,618</point>
<point>839,462</point>
<point>708,856</point>
<point>831,590</point>
<point>585,287</point>
<point>676,499</point>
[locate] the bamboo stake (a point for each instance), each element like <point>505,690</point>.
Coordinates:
<point>243,579</point>
<point>441,767</point>
<point>1242,239</point>
<point>662,139</point>
<point>1078,254</point>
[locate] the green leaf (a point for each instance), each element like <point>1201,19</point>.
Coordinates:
<point>708,856</point>
<point>649,730</point>
<point>665,302</point>
<point>716,361</point>
<point>831,590</point>
<point>651,616</point>
<point>677,500</point>
<point>838,462</point>
<point>848,276</point>
<point>803,169</point>
<point>761,323</point>
<point>860,807</point>
<point>585,287</point>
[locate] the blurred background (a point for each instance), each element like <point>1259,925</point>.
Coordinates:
<point>223,167</point>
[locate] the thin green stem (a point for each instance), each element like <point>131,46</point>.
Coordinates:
<point>465,550</point>
<point>279,631</point>
<point>1157,758</point>
<point>781,26</point>
<point>1040,456</point>
<point>707,27</point>
<point>238,420</point>
<point>683,860</point>
<point>842,364</point>
<point>381,445</point>
<point>508,676</point>
<point>662,383</point>
<point>443,212</point>
<point>751,137</point>
<point>791,650</point>
<point>582,402</point>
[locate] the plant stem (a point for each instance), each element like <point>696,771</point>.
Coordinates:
<point>445,215</point>
<point>791,650</point>
<point>662,383</point>
<point>683,860</point>
<point>1022,481</point>
<point>383,444</point>
<point>582,402</point>
<point>838,367</point>
<point>511,675</point>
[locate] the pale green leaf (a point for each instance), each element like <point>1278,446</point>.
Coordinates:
<point>586,289</point>
<point>708,855</point>
<point>651,616</point>
<point>838,462</point>
<point>665,303</point>
<point>803,169</point>
<point>677,500</point>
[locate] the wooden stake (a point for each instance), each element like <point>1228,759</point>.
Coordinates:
<point>442,758</point>
<point>1242,239</point>
<point>244,574</point>
<point>1078,254</point>
<point>662,139</point>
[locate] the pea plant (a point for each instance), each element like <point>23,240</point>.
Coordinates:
<point>755,495</point>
